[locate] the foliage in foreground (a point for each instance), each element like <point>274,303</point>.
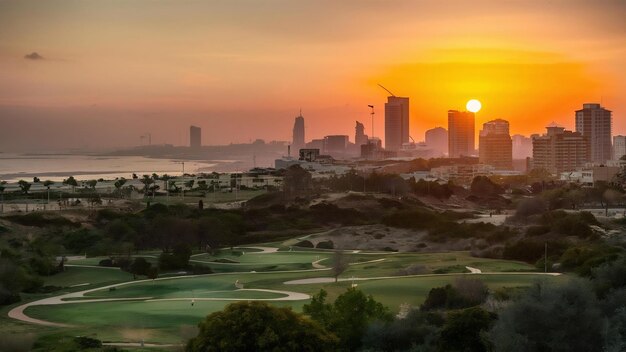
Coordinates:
<point>257,326</point>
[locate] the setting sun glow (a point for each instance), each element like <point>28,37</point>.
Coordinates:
<point>473,105</point>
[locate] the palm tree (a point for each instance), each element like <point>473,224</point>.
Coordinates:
<point>47,184</point>
<point>147,181</point>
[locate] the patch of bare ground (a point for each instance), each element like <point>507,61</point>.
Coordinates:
<point>380,238</point>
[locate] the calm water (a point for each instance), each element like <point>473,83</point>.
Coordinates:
<point>56,167</point>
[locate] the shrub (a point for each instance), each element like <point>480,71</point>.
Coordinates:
<point>304,244</point>
<point>106,262</point>
<point>537,230</point>
<point>84,342</point>
<point>325,245</point>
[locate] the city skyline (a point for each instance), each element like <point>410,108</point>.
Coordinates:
<point>163,67</point>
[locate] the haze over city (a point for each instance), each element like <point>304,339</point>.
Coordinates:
<point>92,75</point>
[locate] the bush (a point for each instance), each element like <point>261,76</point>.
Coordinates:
<point>42,220</point>
<point>106,262</point>
<point>304,244</point>
<point>537,230</point>
<point>84,342</point>
<point>325,245</point>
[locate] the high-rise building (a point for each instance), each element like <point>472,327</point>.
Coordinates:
<point>396,122</point>
<point>336,145</point>
<point>360,137</point>
<point>619,147</point>
<point>437,139</point>
<point>560,150</point>
<point>594,122</point>
<point>461,140</point>
<point>522,147</point>
<point>495,147</point>
<point>195,137</point>
<point>298,134</point>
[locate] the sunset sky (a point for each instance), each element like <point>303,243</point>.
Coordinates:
<point>108,71</point>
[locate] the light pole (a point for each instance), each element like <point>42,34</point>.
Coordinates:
<point>372,113</point>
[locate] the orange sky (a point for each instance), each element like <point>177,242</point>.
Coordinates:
<point>112,70</point>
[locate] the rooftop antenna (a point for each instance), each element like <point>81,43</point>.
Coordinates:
<point>388,91</point>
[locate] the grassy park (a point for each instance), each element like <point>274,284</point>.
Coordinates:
<point>161,310</point>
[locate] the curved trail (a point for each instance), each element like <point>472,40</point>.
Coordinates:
<point>289,296</point>
<point>323,280</point>
<point>18,312</point>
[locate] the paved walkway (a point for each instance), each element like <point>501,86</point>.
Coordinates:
<point>316,264</point>
<point>18,312</point>
<point>289,296</point>
<point>473,270</point>
<point>322,280</point>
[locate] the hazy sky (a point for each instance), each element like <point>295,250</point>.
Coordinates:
<point>106,72</point>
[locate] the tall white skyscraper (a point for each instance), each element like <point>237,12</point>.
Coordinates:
<point>396,122</point>
<point>594,122</point>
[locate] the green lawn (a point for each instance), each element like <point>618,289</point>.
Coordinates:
<point>74,275</point>
<point>162,321</point>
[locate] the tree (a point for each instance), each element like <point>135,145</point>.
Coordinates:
<point>610,196</point>
<point>24,186</point>
<point>556,318</point>
<point>415,332</point>
<point>71,181</point>
<point>340,264</point>
<point>530,206</point>
<point>483,186</point>
<point>140,266</point>
<point>147,181</point>
<point>348,317</point>
<point>36,179</point>
<point>119,184</point>
<point>464,331</point>
<point>257,326</point>
<point>296,181</point>
<point>91,184</point>
<point>189,184</point>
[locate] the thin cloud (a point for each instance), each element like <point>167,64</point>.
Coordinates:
<point>33,56</point>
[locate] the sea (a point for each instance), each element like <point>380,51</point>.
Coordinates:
<point>56,167</point>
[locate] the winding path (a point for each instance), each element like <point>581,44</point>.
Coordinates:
<point>18,312</point>
<point>323,280</point>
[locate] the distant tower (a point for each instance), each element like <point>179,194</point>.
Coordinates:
<point>360,137</point>
<point>195,137</point>
<point>461,133</point>
<point>594,122</point>
<point>495,145</point>
<point>619,147</point>
<point>298,134</point>
<point>437,139</point>
<point>396,122</point>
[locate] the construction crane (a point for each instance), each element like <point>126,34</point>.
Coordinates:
<point>388,91</point>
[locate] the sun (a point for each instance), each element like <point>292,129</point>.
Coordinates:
<point>473,105</point>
